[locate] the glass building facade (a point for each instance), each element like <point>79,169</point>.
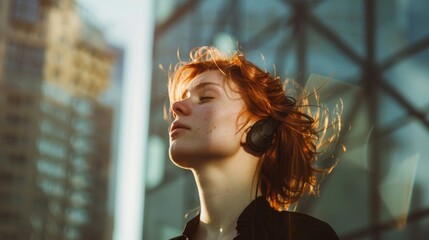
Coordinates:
<point>376,55</point>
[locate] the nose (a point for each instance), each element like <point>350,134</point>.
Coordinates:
<point>180,108</point>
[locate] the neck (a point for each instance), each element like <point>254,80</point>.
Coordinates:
<point>225,190</point>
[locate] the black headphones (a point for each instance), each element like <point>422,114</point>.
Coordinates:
<point>260,136</point>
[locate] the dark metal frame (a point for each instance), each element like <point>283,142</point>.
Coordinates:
<point>371,79</point>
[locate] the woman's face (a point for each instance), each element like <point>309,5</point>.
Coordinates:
<point>206,126</point>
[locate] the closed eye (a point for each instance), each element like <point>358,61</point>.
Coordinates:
<point>204,98</point>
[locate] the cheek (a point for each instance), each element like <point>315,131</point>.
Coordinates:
<point>211,130</point>
<point>218,122</point>
<point>208,122</point>
<point>208,131</point>
<point>224,126</point>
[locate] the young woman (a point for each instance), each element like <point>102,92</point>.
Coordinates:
<point>250,147</point>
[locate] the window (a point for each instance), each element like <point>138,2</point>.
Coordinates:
<point>79,198</point>
<point>25,10</point>
<point>77,215</point>
<point>52,188</point>
<point>24,58</point>
<point>17,158</point>
<point>7,198</point>
<point>79,163</point>
<point>51,148</point>
<point>14,139</point>
<point>82,106</point>
<point>16,100</point>
<point>58,113</point>
<point>82,145</point>
<point>50,168</point>
<point>49,128</point>
<point>6,177</point>
<point>7,216</point>
<point>17,120</point>
<point>83,125</point>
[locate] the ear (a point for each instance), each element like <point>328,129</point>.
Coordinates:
<point>244,135</point>
<point>246,130</point>
<point>248,123</point>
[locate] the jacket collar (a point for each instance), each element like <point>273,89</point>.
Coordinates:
<point>258,210</point>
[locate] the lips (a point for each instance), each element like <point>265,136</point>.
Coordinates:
<point>177,126</point>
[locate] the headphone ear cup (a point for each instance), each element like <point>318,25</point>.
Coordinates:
<point>260,136</point>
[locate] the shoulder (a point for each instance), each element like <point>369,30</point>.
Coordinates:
<point>260,221</point>
<point>303,226</point>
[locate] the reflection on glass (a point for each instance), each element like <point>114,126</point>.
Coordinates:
<point>379,189</point>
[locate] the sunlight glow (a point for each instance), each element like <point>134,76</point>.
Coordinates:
<point>397,188</point>
<point>133,129</point>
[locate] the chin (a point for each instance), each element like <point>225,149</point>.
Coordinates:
<point>181,159</point>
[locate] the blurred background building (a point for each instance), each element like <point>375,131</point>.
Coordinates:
<point>378,53</point>
<point>57,122</point>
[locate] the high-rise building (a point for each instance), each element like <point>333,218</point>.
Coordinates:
<point>55,134</point>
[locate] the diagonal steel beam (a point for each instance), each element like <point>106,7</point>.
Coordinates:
<point>333,38</point>
<point>225,13</point>
<point>269,30</point>
<point>404,103</point>
<point>405,53</point>
<point>175,17</point>
<point>312,3</point>
<point>386,226</point>
<point>399,122</point>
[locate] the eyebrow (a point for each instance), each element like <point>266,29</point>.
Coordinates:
<point>203,85</point>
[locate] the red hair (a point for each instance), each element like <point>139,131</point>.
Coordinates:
<point>287,168</point>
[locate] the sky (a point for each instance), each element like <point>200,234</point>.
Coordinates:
<point>129,24</point>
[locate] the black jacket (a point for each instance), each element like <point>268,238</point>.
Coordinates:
<point>261,222</point>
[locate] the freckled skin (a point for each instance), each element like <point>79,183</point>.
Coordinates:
<point>213,132</point>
